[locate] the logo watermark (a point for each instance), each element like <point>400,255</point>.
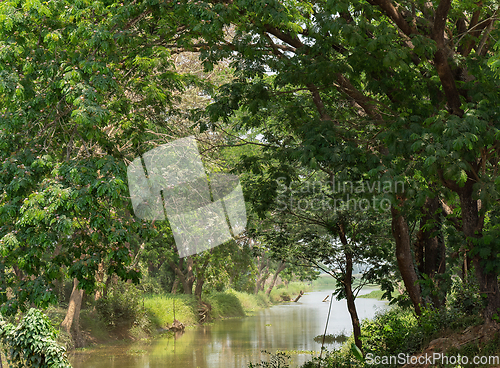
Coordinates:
<point>335,195</point>
<point>170,181</point>
<point>432,359</point>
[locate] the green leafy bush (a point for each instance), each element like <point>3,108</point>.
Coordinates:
<point>122,307</point>
<point>32,343</point>
<point>392,332</point>
<point>465,296</point>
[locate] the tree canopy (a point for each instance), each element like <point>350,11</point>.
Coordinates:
<point>353,91</point>
<point>378,91</point>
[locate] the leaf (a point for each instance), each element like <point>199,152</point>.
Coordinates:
<point>484,252</point>
<point>357,353</point>
<point>417,145</point>
<point>430,160</point>
<point>458,143</point>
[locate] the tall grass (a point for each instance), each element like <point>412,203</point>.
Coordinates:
<point>225,304</point>
<point>160,309</point>
<point>251,302</point>
<point>229,303</point>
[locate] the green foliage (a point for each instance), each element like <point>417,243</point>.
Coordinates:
<point>325,281</point>
<point>331,338</point>
<point>53,214</point>
<point>122,307</point>
<point>465,296</point>
<point>356,352</point>
<point>359,91</point>
<point>341,358</point>
<point>399,331</point>
<point>230,303</point>
<point>79,91</point>
<point>356,92</point>
<point>160,309</point>
<point>291,291</point>
<point>92,321</point>
<point>377,294</point>
<point>32,343</point>
<point>392,332</point>
<point>224,304</point>
<point>251,302</point>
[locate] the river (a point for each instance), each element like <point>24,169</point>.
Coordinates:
<point>233,343</point>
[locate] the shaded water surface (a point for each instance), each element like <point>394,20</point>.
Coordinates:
<point>233,343</point>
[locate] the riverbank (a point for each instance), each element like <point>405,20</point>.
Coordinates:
<point>225,304</point>
<point>405,333</point>
<point>235,342</point>
<point>377,294</point>
<point>149,315</point>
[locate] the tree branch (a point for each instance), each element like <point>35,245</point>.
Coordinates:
<point>320,106</point>
<point>440,21</point>
<point>285,37</point>
<point>364,102</point>
<point>441,59</point>
<point>392,12</point>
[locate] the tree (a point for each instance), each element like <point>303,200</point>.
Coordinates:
<point>396,90</point>
<point>83,90</point>
<point>281,267</point>
<point>308,228</point>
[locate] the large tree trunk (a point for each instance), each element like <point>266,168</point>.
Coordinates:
<point>405,260</point>
<point>472,227</point>
<point>430,249</point>
<point>199,287</point>
<point>71,323</point>
<point>280,268</point>
<point>200,278</point>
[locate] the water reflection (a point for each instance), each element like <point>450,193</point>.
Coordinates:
<point>233,343</point>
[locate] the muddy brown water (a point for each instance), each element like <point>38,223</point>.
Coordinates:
<point>233,343</point>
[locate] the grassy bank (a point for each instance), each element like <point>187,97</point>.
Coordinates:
<point>131,315</point>
<point>229,303</point>
<point>377,294</point>
<point>327,282</point>
<point>324,282</point>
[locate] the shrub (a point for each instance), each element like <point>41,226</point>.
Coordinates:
<point>465,296</point>
<point>160,309</point>
<point>341,358</point>
<point>33,343</point>
<point>92,321</point>
<point>122,307</point>
<point>391,332</point>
